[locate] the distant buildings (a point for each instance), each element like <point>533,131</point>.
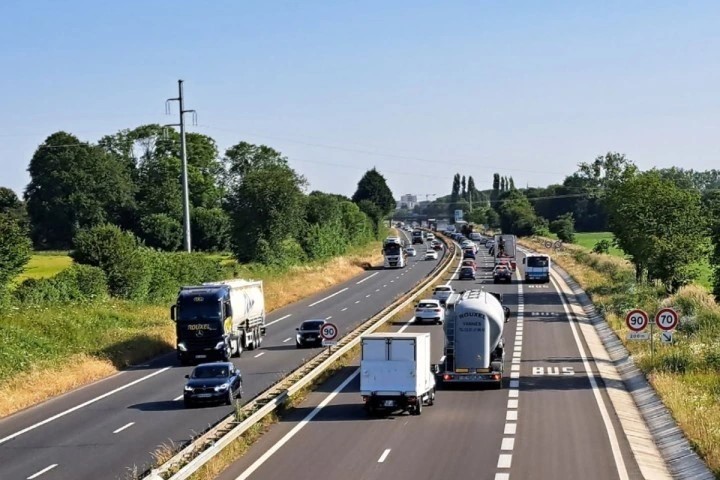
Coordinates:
<point>407,201</point>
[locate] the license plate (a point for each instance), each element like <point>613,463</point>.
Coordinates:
<point>204,395</point>
<point>200,356</point>
<point>389,403</point>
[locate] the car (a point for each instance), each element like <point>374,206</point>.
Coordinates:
<point>442,293</point>
<point>467,273</point>
<point>468,253</point>
<point>501,273</point>
<point>437,246</point>
<point>430,236</point>
<point>411,252</point>
<point>431,255</point>
<point>469,262</point>
<point>429,309</point>
<point>490,244</point>
<point>217,382</point>
<point>308,333</point>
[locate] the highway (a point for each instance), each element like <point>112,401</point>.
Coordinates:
<point>552,420</point>
<point>110,428</point>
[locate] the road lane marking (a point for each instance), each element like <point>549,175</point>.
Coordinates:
<point>510,428</point>
<point>385,285</point>
<point>609,428</point>
<point>507,443</point>
<point>505,460</point>
<point>368,295</point>
<point>511,415</point>
<point>82,405</point>
<point>384,455</point>
<point>344,309</point>
<point>328,297</point>
<point>377,289</point>
<point>260,354</point>
<point>124,427</point>
<point>366,278</point>
<point>357,301</point>
<point>513,403</point>
<point>287,339</point>
<point>328,318</point>
<point>515,368</point>
<point>44,470</point>
<point>271,451</point>
<point>502,476</point>
<point>279,319</point>
<point>513,393</point>
<point>179,397</point>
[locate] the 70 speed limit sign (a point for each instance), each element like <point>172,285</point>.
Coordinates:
<point>636,320</point>
<point>666,319</point>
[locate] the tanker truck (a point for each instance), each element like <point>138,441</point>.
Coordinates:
<point>474,344</point>
<point>215,321</point>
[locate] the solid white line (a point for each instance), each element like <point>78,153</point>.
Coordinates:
<point>366,278</point>
<point>384,455</point>
<point>278,320</point>
<point>271,451</point>
<point>82,405</point>
<point>612,436</point>
<point>344,309</point>
<point>177,398</point>
<point>510,428</point>
<point>260,354</point>
<point>505,460</point>
<point>47,469</point>
<point>329,296</point>
<point>124,427</point>
<point>287,339</point>
<point>507,444</point>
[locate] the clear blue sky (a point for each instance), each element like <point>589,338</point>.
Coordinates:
<point>419,89</point>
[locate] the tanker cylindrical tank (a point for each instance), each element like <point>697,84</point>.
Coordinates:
<point>479,320</point>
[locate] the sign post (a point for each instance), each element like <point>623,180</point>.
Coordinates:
<point>329,332</point>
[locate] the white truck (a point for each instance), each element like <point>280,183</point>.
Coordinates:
<point>396,372</point>
<point>537,267</point>
<point>394,253</point>
<point>217,320</point>
<point>474,344</point>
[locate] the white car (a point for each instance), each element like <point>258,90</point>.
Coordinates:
<point>430,236</point>
<point>431,255</point>
<point>411,251</point>
<point>442,293</point>
<point>429,310</point>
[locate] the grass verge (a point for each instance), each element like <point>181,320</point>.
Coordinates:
<point>685,374</point>
<point>48,351</point>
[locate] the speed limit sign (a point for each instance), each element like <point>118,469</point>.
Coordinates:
<point>328,332</point>
<point>636,320</point>
<point>666,319</point>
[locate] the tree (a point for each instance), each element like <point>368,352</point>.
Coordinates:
<point>210,229</point>
<point>711,202</point>
<point>455,193</point>
<point>13,207</point>
<point>472,192</point>
<point>511,184</point>
<point>496,182</point>
<point>267,210</point>
<point>374,213</point>
<point>564,227</point>
<point>373,187</point>
<point>244,157</point>
<point>73,185</point>
<point>161,231</point>
<point>660,227</point>
<point>516,214</point>
<point>15,249</point>
<point>463,190</point>
<point>502,184</point>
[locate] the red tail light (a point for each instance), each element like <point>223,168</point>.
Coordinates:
<point>437,310</point>
<point>447,376</point>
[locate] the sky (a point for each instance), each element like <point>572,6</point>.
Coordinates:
<point>420,90</point>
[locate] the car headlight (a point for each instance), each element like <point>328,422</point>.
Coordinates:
<point>181,346</point>
<point>222,387</point>
<point>220,345</point>
<point>188,388</point>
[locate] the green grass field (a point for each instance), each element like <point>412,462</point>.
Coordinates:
<point>45,264</point>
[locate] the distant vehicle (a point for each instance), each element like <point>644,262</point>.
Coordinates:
<point>429,310</point>
<point>501,273</point>
<point>437,246</point>
<point>442,293</point>
<point>430,236</point>
<point>504,249</point>
<point>418,236</point>
<point>469,262</point>
<point>396,372</point>
<point>537,267</point>
<point>213,382</point>
<point>475,236</point>
<point>308,333</point>
<point>489,245</point>
<point>467,273</point>
<point>468,253</point>
<point>431,255</point>
<point>483,240</point>
<point>411,252</point>
<point>393,253</point>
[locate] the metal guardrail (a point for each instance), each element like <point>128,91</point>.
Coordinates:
<point>191,458</point>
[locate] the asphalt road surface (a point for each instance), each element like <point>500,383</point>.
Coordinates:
<point>548,422</point>
<point>109,429</point>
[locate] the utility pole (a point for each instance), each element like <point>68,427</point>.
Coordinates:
<point>187,241</point>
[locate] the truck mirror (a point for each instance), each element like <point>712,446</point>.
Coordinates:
<point>187,376</point>
<point>507,312</point>
<point>297,329</point>
<point>173,313</point>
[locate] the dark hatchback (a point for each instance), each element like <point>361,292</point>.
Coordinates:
<point>467,273</point>
<point>213,383</point>
<point>308,333</point>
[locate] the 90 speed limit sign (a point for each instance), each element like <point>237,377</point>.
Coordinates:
<point>329,332</point>
<point>636,320</point>
<point>666,319</point>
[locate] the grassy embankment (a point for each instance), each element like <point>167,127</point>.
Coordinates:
<point>51,350</point>
<point>685,375</point>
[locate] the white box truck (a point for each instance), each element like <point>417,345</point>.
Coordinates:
<point>396,372</point>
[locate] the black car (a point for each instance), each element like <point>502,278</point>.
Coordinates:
<point>502,273</point>
<point>213,383</point>
<point>308,333</point>
<point>467,273</point>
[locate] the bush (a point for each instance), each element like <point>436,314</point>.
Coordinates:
<point>564,227</point>
<point>161,231</point>
<point>77,284</point>
<point>170,271</point>
<point>210,229</point>
<point>15,248</point>
<point>603,246</point>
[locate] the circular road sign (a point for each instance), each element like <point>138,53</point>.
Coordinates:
<point>636,320</point>
<point>666,319</point>
<point>328,331</point>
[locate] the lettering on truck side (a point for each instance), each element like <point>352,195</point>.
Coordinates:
<point>200,326</point>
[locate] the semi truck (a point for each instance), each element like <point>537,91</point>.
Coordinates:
<point>396,372</point>
<point>537,267</point>
<point>393,253</point>
<point>504,250</point>
<point>217,320</point>
<point>418,236</point>
<point>474,344</point>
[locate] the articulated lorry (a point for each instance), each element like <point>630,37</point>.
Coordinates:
<point>418,236</point>
<point>504,250</point>
<point>394,253</point>
<point>537,267</point>
<point>474,344</point>
<point>396,372</point>
<point>215,321</point>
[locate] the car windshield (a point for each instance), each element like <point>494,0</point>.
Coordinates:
<point>537,262</point>
<point>312,325</point>
<point>442,289</point>
<point>427,305</point>
<point>211,371</point>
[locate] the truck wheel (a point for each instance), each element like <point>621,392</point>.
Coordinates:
<point>431,398</point>
<point>418,407</point>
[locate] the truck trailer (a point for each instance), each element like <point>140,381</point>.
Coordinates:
<point>474,344</point>
<point>504,250</point>
<point>215,321</point>
<point>396,372</point>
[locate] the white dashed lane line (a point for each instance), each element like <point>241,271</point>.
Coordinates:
<point>384,455</point>
<point>278,320</point>
<point>260,354</point>
<point>44,470</point>
<point>366,278</point>
<point>328,318</point>
<point>357,301</point>
<point>328,297</point>
<point>124,427</point>
<point>343,309</point>
<point>287,339</point>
